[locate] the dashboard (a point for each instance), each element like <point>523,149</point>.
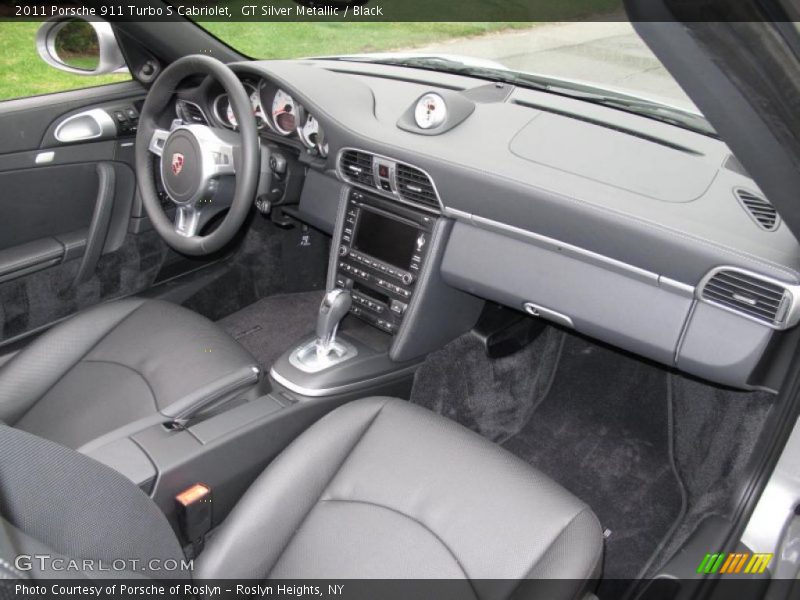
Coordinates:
<point>636,232</point>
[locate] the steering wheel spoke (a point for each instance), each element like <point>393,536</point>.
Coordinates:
<point>157,141</point>
<point>188,220</point>
<point>220,154</point>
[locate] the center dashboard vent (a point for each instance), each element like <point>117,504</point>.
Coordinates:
<point>749,295</point>
<point>389,177</point>
<point>759,209</point>
<point>357,167</point>
<point>415,186</point>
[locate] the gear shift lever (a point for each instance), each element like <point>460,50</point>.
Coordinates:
<point>334,307</point>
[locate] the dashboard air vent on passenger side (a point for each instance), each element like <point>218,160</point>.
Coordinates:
<point>190,113</point>
<point>752,296</point>
<point>762,212</point>
<point>415,186</point>
<point>357,167</point>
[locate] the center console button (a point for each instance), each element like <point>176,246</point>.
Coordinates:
<point>398,307</point>
<point>343,250</point>
<point>407,278</point>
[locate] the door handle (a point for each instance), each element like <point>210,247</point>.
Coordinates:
<point>101,218</point>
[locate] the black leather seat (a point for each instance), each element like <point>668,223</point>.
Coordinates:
<point>379,488</point>
<point>116,364</point>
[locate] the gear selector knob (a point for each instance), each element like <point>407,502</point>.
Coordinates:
<point>335,305</point>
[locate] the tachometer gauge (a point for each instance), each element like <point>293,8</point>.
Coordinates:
<point>284,113</point>
<point>309,132</point>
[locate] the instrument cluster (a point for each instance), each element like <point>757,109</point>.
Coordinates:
<point>276,111</point>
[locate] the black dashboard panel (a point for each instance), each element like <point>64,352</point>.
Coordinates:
<point>642,211</point>
<point>476,173</point>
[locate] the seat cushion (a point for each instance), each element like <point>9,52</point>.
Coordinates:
<point>111,365</point>
<point>380,488</point>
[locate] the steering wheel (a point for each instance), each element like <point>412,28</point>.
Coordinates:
<point>198,163</point>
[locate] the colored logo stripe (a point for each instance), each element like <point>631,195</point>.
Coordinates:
<point>734,562</point>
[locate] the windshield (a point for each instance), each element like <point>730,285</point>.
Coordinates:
<point>604,62</point>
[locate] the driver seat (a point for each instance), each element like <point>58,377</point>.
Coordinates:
<point>132,361</point>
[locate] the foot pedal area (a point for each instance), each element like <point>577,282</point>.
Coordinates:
<point>504,331</point>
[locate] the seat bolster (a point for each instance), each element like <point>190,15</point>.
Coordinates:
<point>572,563</point>
<point>263,522</point>
<point>35,369</point>
<point>183,356</point>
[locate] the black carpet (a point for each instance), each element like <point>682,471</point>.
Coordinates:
<point>603,432</point>
<point>593,419</point>
<point>271,326</point>
<point>496,398</point>
<point>716,433</point>
<point>268,261</point>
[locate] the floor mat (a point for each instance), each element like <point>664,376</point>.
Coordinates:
<point>270,326</point>
<point>496,398</point>
<point>603,432</point>
<point>600,428</point>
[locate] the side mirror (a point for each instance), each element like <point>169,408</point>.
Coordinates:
<point>80,46</point>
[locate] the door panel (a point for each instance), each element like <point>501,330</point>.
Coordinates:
<point>67,238</point>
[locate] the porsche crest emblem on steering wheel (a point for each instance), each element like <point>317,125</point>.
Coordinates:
<point>177,163</point>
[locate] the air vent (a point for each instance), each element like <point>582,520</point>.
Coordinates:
<point>357,167</point>
<point>749,295</point>
<point>190,113</point>
<point>762,212</point>
<point>415,186</point>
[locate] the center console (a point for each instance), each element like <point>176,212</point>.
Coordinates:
<point>382,250</point>
<point>384,275</point>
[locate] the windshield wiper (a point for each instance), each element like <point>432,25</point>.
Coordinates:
<point>647,108</point>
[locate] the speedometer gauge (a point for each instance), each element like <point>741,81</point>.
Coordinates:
<point>284,111</point>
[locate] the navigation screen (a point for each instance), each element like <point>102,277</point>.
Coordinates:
<point>385,239</point>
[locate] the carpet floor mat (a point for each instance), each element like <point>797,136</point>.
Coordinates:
<point>269,327</point>
<point>594,419</point>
